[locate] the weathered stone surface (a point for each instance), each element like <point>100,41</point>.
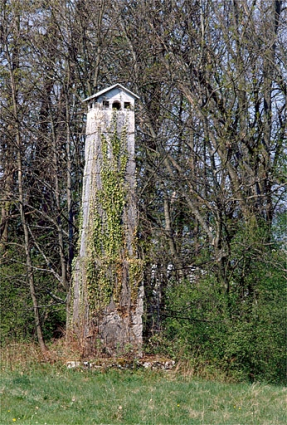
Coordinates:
<point>116,321</point>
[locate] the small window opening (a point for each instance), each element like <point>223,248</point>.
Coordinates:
<point>91,105</point>
<point>127,105</point>
<point>106,104</point>
<point>116,105</point>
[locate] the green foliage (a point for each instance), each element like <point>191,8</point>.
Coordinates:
<point>241,332</point>
<point>108,260</point>
<point>17,316</point>
<point>17,320</point>
<point>108,235</point>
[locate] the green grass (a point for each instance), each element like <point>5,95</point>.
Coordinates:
<point>53,395</point>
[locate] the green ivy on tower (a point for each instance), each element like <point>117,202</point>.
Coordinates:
<point>106,248</point>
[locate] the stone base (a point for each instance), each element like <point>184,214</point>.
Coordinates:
<point>122,363</point>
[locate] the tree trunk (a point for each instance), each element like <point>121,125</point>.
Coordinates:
<point>13,68</point>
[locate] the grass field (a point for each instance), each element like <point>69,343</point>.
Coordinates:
<point>52,394</point>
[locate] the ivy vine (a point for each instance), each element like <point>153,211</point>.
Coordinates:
<point>106,247</point>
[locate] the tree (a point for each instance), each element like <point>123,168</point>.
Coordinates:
<point>211,148</point>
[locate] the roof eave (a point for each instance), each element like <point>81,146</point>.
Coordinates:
<point>101,92</point>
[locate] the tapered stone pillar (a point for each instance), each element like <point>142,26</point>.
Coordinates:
<point>106,302</point>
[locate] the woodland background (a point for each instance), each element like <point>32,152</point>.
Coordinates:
<point>211,168</point>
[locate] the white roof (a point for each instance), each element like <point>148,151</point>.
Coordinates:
<point>100,93</point>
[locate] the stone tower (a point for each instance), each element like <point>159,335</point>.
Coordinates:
<point>106,303</point>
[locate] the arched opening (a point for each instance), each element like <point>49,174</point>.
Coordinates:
<point>117,105</point>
